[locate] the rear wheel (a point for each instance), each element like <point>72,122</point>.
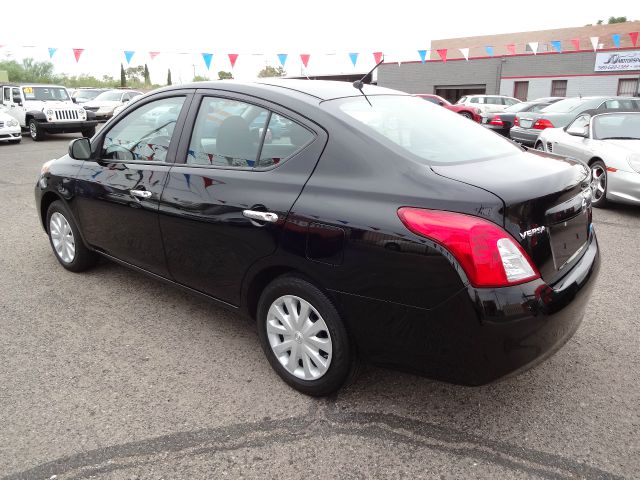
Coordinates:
<point>36,132</point>
<point>65,239</point>
<point>303,337</point>
<point>598,184</point>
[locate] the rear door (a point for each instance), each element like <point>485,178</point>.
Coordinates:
<point>225,203</point>
<point>118,193</point>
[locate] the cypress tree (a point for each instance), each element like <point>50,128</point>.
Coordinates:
<point>169,77</point>
<point>147,79</point>
<point>123,77</point>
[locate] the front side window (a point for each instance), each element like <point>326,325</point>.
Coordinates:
<point>421,130</point>
<point>145,133</point>
<point>580,123</point>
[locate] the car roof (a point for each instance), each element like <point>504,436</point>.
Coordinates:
<point>318,89</point>
<point>594,111</point>
<point>48,85</point>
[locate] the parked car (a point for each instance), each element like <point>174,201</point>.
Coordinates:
<point>121,107</point>
<point>83,95</point>
<point>381,227</point>
<point>10,130</point>
<point>609,142</point>
<point>501,122</point>
<point>527,126</point>
<point>43,109</point>
<point>488,103</point>
<point>466,111</point>
<point>105,103</point>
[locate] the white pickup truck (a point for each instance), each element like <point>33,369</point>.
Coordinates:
<point>43,109</point>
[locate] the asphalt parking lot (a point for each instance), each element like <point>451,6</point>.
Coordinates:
<point>109,374</point>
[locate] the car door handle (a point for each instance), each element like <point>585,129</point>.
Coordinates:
<point>260,216</point>
<point>140,193</point>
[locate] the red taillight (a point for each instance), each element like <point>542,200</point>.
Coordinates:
<point>542,124</point>
<point>516,122</point>
<point>497,121</point>
<point>488,254</point>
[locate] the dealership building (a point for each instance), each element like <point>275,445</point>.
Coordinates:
<point>565,64</point>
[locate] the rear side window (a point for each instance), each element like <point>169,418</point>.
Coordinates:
<point>234,134</point>
<point>623,104</point>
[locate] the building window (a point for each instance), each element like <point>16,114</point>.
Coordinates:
<point>628,87</point>
<point>521,90</point>
<point>558,88</point>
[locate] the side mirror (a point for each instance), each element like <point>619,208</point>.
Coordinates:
<point>73,99</point>
<point>80,149</point>
<point>579,131</point>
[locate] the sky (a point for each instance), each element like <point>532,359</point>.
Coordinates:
<point>259,30</point>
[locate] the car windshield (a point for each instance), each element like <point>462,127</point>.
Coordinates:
<point>564,106</point>
<point>518,107</point>
<point>622,126</point>
<point>44,94</point>
<point>111,96</point>
<point>89,94</point>
<point>429,133</point>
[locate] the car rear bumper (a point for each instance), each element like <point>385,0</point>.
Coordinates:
<point>478,335</point>
<point>623,187</point>
<point>524,135</point>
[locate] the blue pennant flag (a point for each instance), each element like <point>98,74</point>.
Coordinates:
<point>354,58</point>
<point>207,59</point>
<point>52,51</point>
<point>489,50</point>
<point>616,39</point>
<point>283,58</point>
<point>557,45</point>
<point>423,55</point>
<point>128,54</point>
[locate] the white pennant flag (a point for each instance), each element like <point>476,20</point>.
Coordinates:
<point>534,47</point>
<point>465,53</point>
<point>594,42</point>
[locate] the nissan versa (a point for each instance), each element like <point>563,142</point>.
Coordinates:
<point>378,226</point>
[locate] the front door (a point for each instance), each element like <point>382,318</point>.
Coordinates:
<point>12,99</point>
<point>117,194</point>
<point>224,206</point>
<point>573,145</point>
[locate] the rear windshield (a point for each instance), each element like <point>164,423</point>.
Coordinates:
<point>570,104</point>
<point>427,132</point>
<point>518,107</point>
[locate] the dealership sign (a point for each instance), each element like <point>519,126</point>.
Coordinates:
<point>617,61</point>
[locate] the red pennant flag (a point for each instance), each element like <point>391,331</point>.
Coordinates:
<point>305,59</point>
<point>443,54</point>
<point>634,38</point>
<point>77,52</point>
<point>232,58</point>
<point>153,54</point>
<point>511,48</point>
<point>377,56</point>
<point>576,43</point>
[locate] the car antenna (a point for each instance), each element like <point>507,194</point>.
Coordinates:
<point>359,84</point>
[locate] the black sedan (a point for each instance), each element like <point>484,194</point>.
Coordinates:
<point>379,227</point>
<point>501,122</point>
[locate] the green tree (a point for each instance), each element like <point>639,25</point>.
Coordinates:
<point>147,79</point>
<point>123,76</point>
<point>617,20</point>
<point>222,75</point>
<point>30,71</point>
<point>599,22</point>
<point>135,74</point>
<point>270,71</point>
<point>169,77</point>
<point>200,78</point>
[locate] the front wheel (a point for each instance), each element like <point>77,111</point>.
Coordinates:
<point>303,337</point>
<point>65,239</point>
<point>466,115</point>
<point>36,131</point>
<point>598,184</point>
<point>539,146</point>
<point>88,132</point>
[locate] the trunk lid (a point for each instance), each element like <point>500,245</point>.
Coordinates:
<point>547,204</point>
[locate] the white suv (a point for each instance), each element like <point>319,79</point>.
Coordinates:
<point>488,103</point>
<point>46,109</point>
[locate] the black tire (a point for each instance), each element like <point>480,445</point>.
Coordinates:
<point>599,176</point>
<point>539,146</point>
<point>88,132</point>
<point>343,365</point>
<point>466,115</point>
<point>83,258</point>
<point>36,132</point>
